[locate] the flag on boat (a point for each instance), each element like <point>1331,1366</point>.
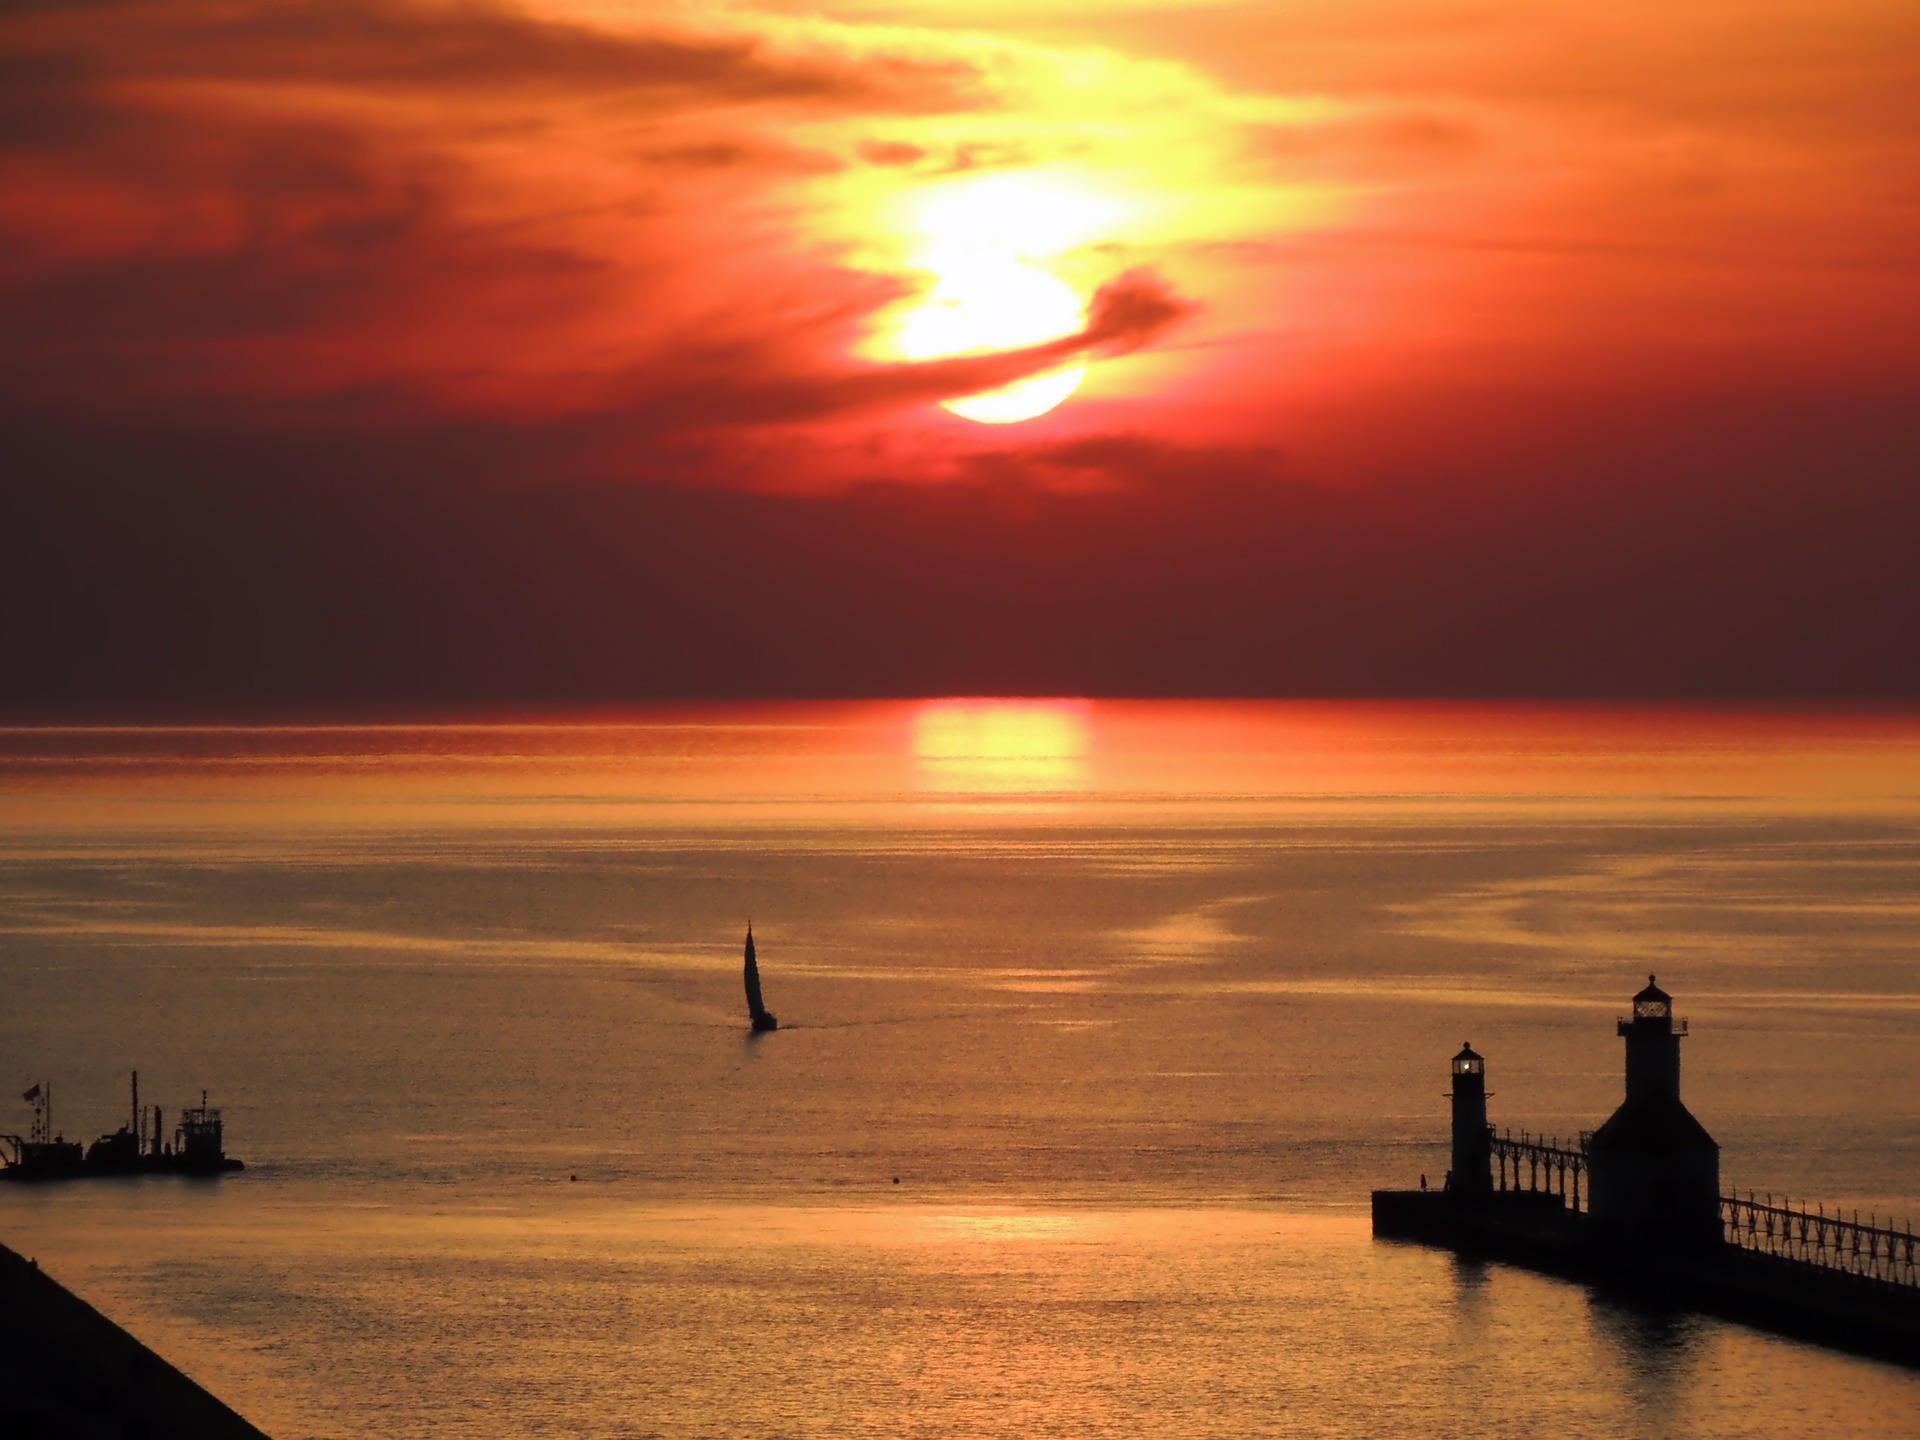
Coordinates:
<point>31,1095</point>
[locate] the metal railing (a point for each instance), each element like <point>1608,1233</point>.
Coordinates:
<point>1868,1248</point>
<point>1547,1167</point>
<point>1813,1237</point>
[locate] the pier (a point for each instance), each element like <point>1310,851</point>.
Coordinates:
<point>1636,1209</point>
<point>67,1370</point>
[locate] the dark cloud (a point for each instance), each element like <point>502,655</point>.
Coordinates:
<point>324,222</point>
<point>491,49</point>
<point>244,230</point>
<point>47,102</point>
<point>163,570</point>
<point>1127,460</point>
<point>752,385</point>
<point>398,353</point>
<point>1131,310</point>
<point>194,229</point>
<point>1124,314</point>
<point>742,154</point>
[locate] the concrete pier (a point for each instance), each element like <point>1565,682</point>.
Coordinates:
<point>69,1373</point>
<point>1535,1231</point>
<point>1656,1227</point>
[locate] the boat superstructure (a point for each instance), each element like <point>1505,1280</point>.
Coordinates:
<point>140,1147</point>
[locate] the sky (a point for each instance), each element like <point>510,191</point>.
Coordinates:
<point>361,353</point>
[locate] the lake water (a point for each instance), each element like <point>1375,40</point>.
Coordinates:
<point>1098,1022</point>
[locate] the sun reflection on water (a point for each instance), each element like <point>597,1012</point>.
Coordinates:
<point>1001,747</point>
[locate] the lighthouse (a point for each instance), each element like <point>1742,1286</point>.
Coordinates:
<point>1472,1172</point>
<point>1655,1169</point>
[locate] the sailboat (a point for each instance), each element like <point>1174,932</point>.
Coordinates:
<point>763,1018</point>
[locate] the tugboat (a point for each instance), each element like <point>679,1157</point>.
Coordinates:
<point>197,1147</point>
<point>763,1019</point>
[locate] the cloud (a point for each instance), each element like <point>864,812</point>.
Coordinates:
<point>747,387</point>
<point>744,155</point>
<point>223,207</point>
<point>167,569</point>
<point>489,50</point>
<point>897,153</point>
<point>1130,460</point>
<point>214,201</point>
<point>666,237</point>
<point>1126,313</point>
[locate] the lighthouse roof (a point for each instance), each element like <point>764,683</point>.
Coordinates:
<point>1653,993</point>
<point>1652,1126</point>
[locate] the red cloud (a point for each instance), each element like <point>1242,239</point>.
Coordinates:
<point>214,203</point>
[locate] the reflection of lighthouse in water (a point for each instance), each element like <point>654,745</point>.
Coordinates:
<point>763,1018</point>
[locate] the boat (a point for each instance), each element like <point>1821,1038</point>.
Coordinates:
<point>197,1147</point>
<point>762,1018</point>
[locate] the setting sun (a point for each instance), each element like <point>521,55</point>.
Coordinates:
<point>996,246</point>
<point>984,305</point>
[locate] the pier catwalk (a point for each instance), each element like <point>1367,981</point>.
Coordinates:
<point>1655,1225</point>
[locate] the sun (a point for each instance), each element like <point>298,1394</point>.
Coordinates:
<point>995,245</point>
<point>985,304</point>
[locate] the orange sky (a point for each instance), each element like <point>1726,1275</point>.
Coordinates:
<point>709,219</point>
<point>1485,247</point>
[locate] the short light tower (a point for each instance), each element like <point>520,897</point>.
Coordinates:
<point>1472,1172</point>
<point>1655,1169</point>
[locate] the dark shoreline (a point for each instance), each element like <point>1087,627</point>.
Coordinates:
<point>69,1373</point>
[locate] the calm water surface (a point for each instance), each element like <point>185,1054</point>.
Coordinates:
<point>1098,1023</point>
